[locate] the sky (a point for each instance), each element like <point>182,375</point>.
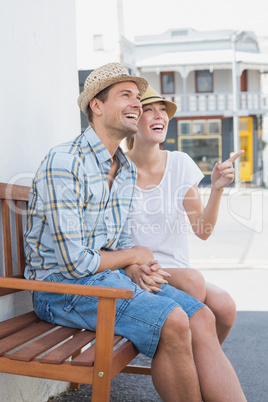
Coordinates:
<point>145,17</point>
<point>157,16</point>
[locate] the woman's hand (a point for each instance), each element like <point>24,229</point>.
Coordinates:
<point>223,173</point>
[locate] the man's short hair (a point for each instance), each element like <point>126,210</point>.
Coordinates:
<point>102,96</point>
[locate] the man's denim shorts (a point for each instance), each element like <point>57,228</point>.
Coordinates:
<point>139,319</point>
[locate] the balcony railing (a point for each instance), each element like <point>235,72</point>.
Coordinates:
<point>219,103</point>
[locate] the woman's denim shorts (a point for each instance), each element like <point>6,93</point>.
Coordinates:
<point>139,319</point>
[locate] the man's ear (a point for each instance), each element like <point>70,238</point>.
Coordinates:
<point>95,106</point>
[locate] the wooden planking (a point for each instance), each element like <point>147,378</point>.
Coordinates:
<point>70,347</point>
<point>103,350</point>
<point>49,371</point>
<point>123,356</point>
<point>86,358</point>
<point>24,335</point>
<point>72,289</point>
<point>15,324</point>
<point>131,369</point>
<point>7,238</point>
<point>19,232</point>
<point>14,192</point>
<point>36,348</point>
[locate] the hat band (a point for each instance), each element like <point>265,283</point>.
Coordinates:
<point>152,97</point>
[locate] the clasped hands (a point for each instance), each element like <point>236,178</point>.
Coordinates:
<point>148,276</point>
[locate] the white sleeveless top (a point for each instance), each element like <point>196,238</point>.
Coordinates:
<point>158,215</point>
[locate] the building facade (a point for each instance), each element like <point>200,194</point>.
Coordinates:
<point>215,80</point>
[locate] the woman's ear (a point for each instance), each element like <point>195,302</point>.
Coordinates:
<point>95,106</point>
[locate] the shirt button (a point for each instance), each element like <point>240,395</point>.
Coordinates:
<point>106,218</point>
<point>108,240</point>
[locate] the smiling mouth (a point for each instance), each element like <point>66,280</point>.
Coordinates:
<point>132,116</point>
<point>157,127</point>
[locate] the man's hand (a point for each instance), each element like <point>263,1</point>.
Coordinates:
<point>148,276</point>
<point>141,255</point>
<point>223,173</point>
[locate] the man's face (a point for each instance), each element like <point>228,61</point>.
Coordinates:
<point>122,109</point>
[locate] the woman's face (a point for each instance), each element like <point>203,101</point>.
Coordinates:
<point>153,123</point>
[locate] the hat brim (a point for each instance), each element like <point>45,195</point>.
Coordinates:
<point>171,107</point>
<point>89,93</point>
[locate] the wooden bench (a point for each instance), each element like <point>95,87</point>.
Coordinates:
<point>32,347</point>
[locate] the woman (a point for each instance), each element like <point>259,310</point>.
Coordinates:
<point>167,187</point>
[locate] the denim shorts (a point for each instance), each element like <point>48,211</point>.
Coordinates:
<point>139,319</point>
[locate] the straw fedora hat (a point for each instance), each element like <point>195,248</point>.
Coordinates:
<point>151,96</point>
<point>102,78</point>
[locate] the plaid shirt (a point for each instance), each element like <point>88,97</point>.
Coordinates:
<point>72,212</point>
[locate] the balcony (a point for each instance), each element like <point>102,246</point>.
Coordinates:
<point>221,103</point>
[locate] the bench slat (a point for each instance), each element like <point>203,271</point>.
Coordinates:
<point>86,358</point>
<point>7,238</point>
<point>14,324</point>
<point>24,335</point>
<point>40,346</point>
<point>70,347</point>
<point>20,244</point>
<point>14,192</point>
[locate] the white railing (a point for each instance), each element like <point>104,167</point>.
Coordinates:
<point>219,102</point>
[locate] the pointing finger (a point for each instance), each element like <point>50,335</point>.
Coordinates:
<point>236,155</point>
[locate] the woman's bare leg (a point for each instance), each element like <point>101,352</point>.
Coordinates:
<point>223,307</point>
<point>218,300</point>
<point>189,280</point>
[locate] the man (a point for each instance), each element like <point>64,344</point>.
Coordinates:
<point>78,231</point>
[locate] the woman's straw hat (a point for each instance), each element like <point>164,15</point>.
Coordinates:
<point>151,96</point>
<point>102,78</point>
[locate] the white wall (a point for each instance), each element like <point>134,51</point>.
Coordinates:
<point>39,89</point>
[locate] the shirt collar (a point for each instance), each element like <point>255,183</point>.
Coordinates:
<point>101,152</point>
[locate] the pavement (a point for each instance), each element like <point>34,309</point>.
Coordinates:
<point>236,258</point>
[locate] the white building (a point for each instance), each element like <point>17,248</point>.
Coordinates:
<point>215,79</point>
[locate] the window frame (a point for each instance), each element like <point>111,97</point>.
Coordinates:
<point>196,82</point>
<point>164,73</point>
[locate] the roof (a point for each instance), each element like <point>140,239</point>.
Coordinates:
<point>207,59</point>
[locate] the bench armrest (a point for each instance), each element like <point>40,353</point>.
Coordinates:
<point>55,287</point>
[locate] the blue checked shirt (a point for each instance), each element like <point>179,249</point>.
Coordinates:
<point>72,212</point>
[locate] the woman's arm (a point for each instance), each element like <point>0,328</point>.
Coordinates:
<point>203,219</point>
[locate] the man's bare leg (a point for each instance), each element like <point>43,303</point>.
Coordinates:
<point>218,380</point>
<point>173,369</point>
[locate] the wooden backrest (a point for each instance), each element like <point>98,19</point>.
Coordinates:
<point>14,204</point>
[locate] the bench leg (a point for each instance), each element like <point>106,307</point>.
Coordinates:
<point>101,384</point>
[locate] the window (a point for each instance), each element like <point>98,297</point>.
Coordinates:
<point>204,151</point>
<point>244,81</point>
<point>167,82</point>
<point>185,127</point>
<point>201,139</point>
<point>204,81</point>
<point>199,126</point>
<point>214,126</point>
<point>98,42</point>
